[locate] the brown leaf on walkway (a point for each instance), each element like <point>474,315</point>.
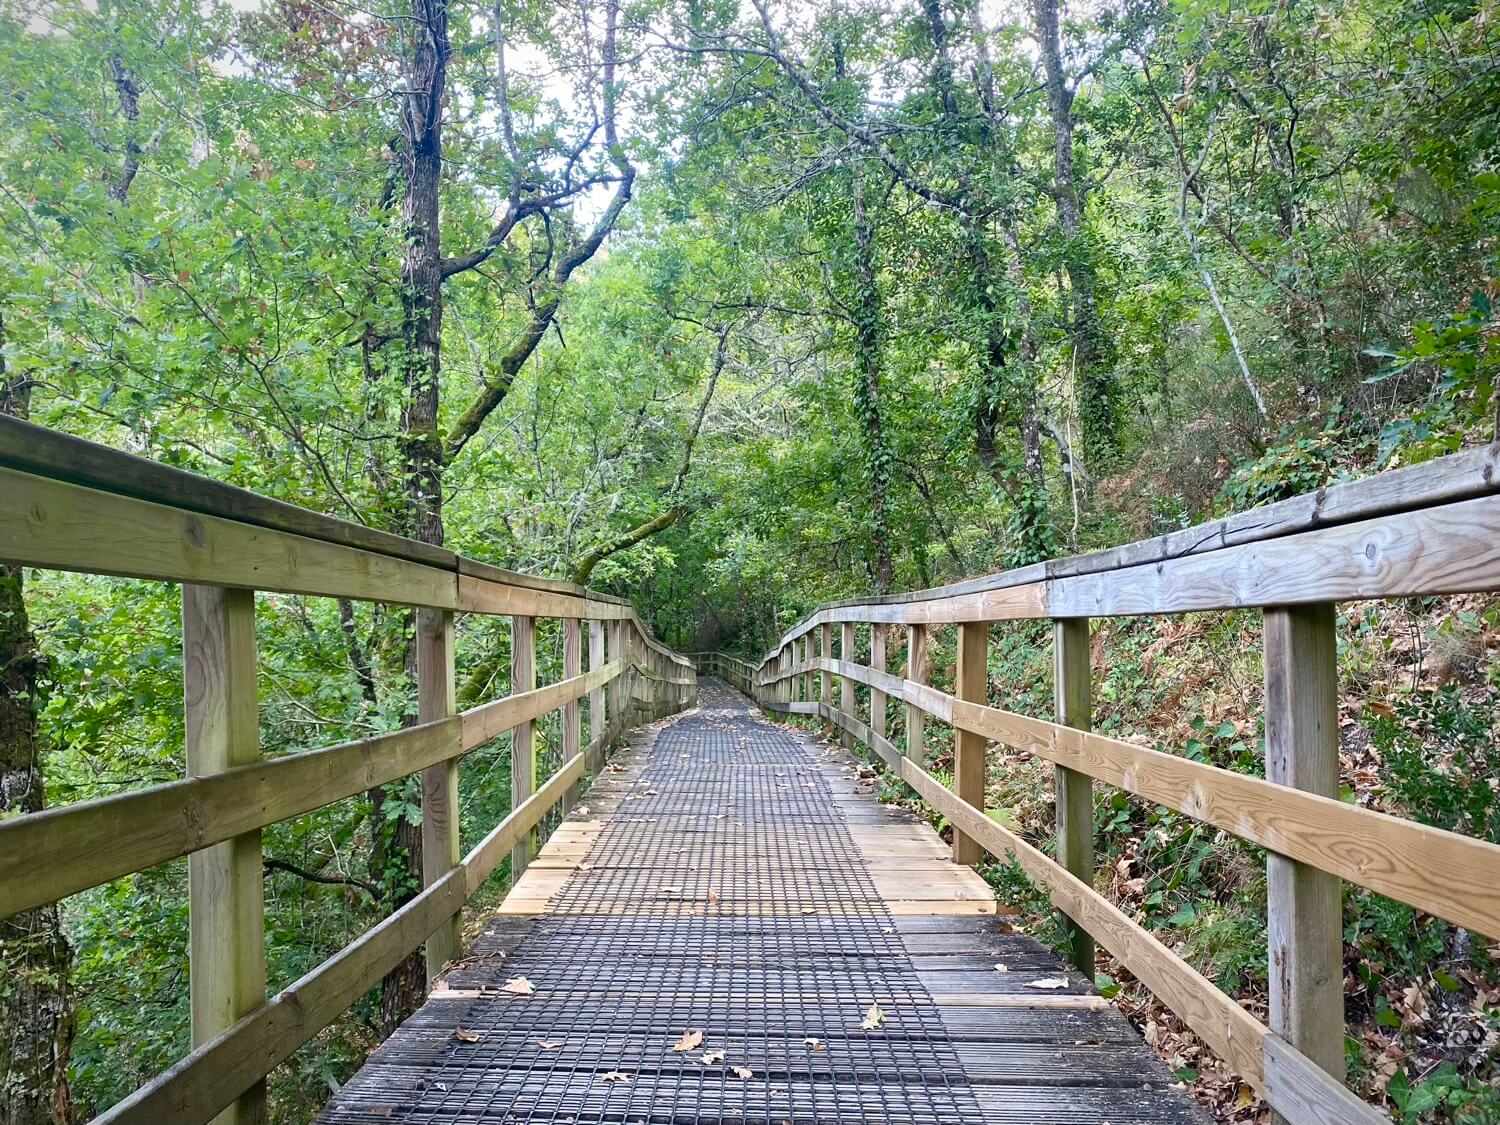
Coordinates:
<point>812,1044</point>
<point>547,1045</point>
<point>518,986</point>
<point>691,1038</point>
<point>614,1076</point>
<point>1047,982</point>
<point>711,1057</point>
<point>466,1036</point>
<point>874,1018</point>
<point>742,1071</point>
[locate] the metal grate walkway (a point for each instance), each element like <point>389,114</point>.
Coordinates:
<point>727,878</point>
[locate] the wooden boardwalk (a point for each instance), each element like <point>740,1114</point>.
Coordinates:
<point>729,878</point>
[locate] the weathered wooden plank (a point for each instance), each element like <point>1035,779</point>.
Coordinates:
<point>60,526</point>
<point>216,1073</point>
<point>1303,1093</point>
<point>167,821</point>
<point>846,683</point>
<point>918,672</point>
<point>440,816</point>
<point>1074,791</point>
<point>572,724</point>
<point>1447,550</point>
<point>226,906</point>
<point>877,697</point>
<point>1304,906</point>
<point>47,453</point>
<point>490,720</point>
<point>1385,854</point>
<point>522,739</point>
<point>972,684</point>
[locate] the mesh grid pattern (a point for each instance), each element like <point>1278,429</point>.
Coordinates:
<point>725,894</point>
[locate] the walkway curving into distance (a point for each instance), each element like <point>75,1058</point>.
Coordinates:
<point>728,877</point>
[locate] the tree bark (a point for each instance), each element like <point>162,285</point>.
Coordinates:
<point>36,1005</point>
<point>1098,393</point>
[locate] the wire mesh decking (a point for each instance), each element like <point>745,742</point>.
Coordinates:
<point>721,885</point>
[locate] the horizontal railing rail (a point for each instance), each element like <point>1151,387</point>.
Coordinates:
<point>737,673</point>
<point>68,504</point>
<point>1432,529</point>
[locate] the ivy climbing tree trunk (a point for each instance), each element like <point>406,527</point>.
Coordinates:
<point>1098,393</point>
<point>868,342</point>
<point>36,1008</point>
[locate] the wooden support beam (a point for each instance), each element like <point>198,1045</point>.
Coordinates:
<point>846,685</point>
<point>226,907</point>
<point>969,748</point>
<point>1304,905</point>
<point>1075,791</point>
<point>877,697</point>
<point>598,716</point>
<point>825,678</point>
<point>572,720</point>
<point>523,740</point>
<point>440,847</point>
<point>917,671</point>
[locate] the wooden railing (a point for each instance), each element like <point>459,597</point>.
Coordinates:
<point>738,674</point>
<point>1429,529</point>
<point>67,504</point>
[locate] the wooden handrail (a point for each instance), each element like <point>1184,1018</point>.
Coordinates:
<point>68,504</point>
<point>1428,530</point>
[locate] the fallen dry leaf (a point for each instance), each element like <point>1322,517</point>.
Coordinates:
<point>518,986</point>
<point>812,1044</point>
<point>691,1039</point>
<point>466,1036</point>
<point>1047,982</point>
<point>711,1057</point>
<point>1002,968</point>
<point>873,1018</point>
<point>614,1076</point>
<point>742,1071</point>
<point>547,1045</point>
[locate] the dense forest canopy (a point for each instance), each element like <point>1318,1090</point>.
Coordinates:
<point>730,308</point>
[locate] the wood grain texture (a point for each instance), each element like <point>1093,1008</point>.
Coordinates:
<point>572,718</point>
<point>972,683</point>
<point>522,738</point>
<point>226,905</point>
<point>164,822</point>
<point>1073,700</point>
<point>1302,1092</point>
<point>825,650</point>
<point>1304,906</point>
<point>61,526</point>
<point>878,697</point>
<point>846,683</point>
<point>440,816</point>
<point>598,716</point>
<point>918,672</point>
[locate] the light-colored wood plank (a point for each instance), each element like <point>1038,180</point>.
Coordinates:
<point>440,846</point>
<point>846,684</point>
<point>1304,906</point>
<point>878,697</point>
<point>226,906</point>
<point>1303,1093</point>
<point>58,526</point>
<point>1072,695</point>
<point>972,684</point>
<point>572,719</point>
<point>490,720</point>
<point>171,820</point>
<point>523,742</point>
<point>918,670</point>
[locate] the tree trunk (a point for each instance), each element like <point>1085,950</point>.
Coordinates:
<point>421,441</point>
<point>36,1007</point>
<point>867,356</point>
<point>1098,393</point>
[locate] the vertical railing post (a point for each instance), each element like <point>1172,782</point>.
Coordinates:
<point>877,662</point>
<point>440,844</point>
<point>807,677</point>
<point>572,720</point>
<point>825,677</point>
<point>1072,692</point>
<point>523,737</point>
<point>226,906</point>
<point>917,671</point>
<point>846,684</point>
<point>972,683</point>
<point>598,717</point>
<point>1304,922</point>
